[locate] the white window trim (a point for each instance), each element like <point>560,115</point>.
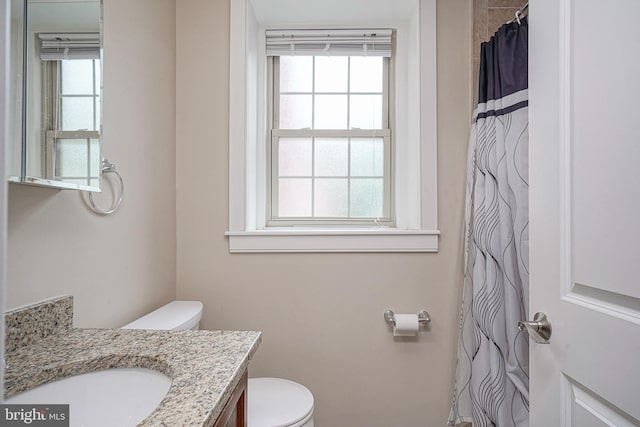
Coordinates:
<point>415,163</point>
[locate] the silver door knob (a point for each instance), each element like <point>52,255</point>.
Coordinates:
<point>539,329</point>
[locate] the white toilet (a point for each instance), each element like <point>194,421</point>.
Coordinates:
<point>273,402</point>
<point>176,316</point>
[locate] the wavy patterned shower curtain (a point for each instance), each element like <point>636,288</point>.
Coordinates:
<point>492,375</point>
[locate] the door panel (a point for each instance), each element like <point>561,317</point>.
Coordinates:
<point>604,79</point>
<point>585,200</point>
<point>590,410</point>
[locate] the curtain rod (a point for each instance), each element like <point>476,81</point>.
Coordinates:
<point>519,12</point>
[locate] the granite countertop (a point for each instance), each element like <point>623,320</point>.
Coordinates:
<point>204,366</point>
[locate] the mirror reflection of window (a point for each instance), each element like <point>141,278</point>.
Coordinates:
<point>79,97</point>
<point>56,90</point>
<point>71,106</point>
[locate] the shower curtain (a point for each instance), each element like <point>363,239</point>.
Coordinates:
<point>492,374</point>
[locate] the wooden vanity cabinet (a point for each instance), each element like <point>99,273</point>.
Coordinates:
<point>234,413</point>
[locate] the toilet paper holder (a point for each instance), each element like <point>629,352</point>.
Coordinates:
<point>423,317</point>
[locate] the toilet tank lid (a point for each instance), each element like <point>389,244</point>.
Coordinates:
<point>177,315</point>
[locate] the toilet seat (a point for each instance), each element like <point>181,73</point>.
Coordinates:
<point>276,402</point>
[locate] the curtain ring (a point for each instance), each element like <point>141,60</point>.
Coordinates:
<point>518,13</point>
<point>106,168</point>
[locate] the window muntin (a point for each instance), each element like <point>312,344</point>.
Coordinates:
<point>330,141</point>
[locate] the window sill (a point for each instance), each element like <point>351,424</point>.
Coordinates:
<point>332,240</point>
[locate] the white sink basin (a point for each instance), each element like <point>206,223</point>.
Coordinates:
<point>113,397</point>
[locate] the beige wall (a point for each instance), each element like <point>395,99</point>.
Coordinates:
<point>321,314</point>
<point>120,266</point>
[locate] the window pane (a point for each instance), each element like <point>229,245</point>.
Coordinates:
<point>366,74</point>
<point>332,73</point>
<point>367,157</point>
<point>77,113</point>
<point>71,158</point>
<point>94,165</point>
<point>294,197</point>
<point>331,112</point>
<point>366,111</point>
<point>331,157</point>
<point>77,77</point>
<point>296,73</point>
<point>98,114</point>
<point>295,111</point>
<point>330,198</point>
<point>294,157</point>
<point>96,64</point>
<point>367,197</point>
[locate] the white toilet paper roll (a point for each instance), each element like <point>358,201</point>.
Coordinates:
<point>406,325</point>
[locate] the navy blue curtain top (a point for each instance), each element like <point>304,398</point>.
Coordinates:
<point>504,62</point>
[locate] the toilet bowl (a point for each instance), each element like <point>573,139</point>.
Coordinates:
<point>276,402</point>
<point>273,402</point>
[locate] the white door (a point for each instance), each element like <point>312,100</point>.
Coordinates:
<point>584,82</point>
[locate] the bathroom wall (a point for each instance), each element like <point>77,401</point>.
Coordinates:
<point>321,314</point>
<point>116,267</point>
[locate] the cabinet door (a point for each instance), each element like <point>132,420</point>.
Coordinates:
<point>234,413</point>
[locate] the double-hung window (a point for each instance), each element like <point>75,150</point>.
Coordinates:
<point>71,106</point>
<point>330,142</point>
<point>333,133</point>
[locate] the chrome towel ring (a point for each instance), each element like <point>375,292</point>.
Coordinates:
<point>107,168</point>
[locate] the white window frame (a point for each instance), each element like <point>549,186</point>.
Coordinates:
<point>273,220</point>
<point>415,177</point>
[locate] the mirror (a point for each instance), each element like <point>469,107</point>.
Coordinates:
<point>56,91</point>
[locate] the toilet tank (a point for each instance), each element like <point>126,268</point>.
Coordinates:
<point>177,315</point>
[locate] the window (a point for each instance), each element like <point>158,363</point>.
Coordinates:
<point>71,106</point>
<point>268,151</point>
<point>330,138</point>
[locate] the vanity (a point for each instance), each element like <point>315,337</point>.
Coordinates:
<point>208,369</point>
